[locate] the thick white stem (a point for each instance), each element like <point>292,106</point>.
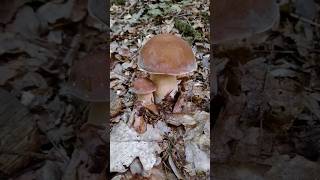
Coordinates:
<point>166,84</point>
<point>146,99</point>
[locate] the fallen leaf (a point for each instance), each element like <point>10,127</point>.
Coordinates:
<point>18,134</point>
<point>126,145</point>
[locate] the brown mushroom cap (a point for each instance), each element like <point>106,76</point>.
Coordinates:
<point>242,20</point>
<point>143,86</point>
<point>88,78</point>
<point>167,54</point>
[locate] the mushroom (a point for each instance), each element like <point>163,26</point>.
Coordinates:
<point>144,89</point>
<point>243,19</point>
<point>88,81</point>
<point>166,56</point>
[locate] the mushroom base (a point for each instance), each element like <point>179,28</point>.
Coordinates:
<point>146,99</point>
<point>166,84</point>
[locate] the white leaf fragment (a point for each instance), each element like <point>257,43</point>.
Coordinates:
<point>197,143</point>
<point>126,145</point>
<point>198,157</point>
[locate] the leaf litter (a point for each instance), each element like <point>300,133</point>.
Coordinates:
<point>132,24</point>
<point>46,133</point>
<point>267,98</point>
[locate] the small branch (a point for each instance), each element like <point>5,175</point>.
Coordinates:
<point>30,154</point>
<point>304,19</point>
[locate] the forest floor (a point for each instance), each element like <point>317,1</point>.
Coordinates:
<point>177,141</point>
<point>42,129</point>
<point>266,107</point>
<point>265,103</point>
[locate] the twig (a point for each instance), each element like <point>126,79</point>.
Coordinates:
<point>74,47</point>
<point>30,154</point>
<point>63,156</point>
<point>304,19</point>
<point>127,9</point>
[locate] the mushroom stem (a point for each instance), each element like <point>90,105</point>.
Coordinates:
<point>166,84</point>
<point>146,99</point>
<point>148,102</point>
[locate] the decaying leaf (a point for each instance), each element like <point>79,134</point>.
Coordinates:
<point>18,134</point>
<point>12,43</point>
<point>115,104</point>
<point>295,168</point>
<point>9,71</point>
<point>8,9</point>
<point>139,124</point>
<point>181,119</point>
<point>126,145</point>
<point>26,23</point>
<point>197,143</point>
<point>53,11</point>
<point>88,78</point>
<point>132,24</point>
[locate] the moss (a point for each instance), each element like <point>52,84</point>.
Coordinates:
<point>200,174</point>
<point>187,30</point>
<point>118,2</point>
<point>205,16</point>
<point>184,27</point>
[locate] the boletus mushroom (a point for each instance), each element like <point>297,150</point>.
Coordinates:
<point>237,20</point>
<point>166,56</point>
<point>88,81</point>
<point>144,89</point>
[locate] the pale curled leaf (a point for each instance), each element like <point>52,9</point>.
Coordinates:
<point>53,11</point>
<point>197,143</point>
<point>126,145</point>
<point>199,158</point>
<point>26,23</point>
<point>181,119</point>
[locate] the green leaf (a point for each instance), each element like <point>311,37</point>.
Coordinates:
<point>186,2</point>
<point>135,17</point>
<point>118,2</point>
<point>153,6</point>
<point>175,8</point>
<point>164,5</point>
<point>155,12</point>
